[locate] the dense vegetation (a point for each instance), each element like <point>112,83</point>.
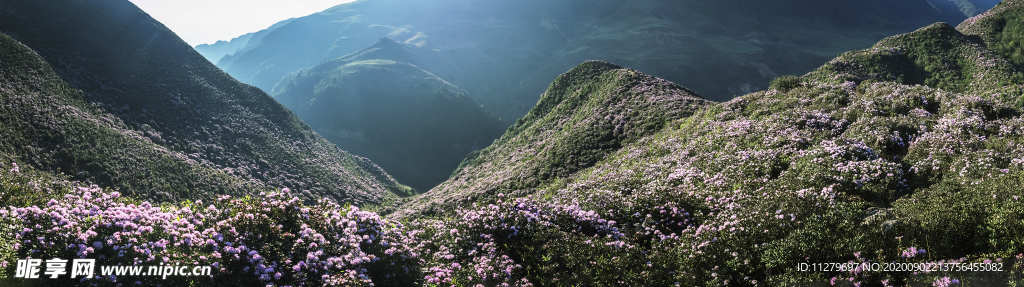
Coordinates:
<point>900,153</point>
<point>586,114</point>
<point>378,103</point>
<point>139,111</point>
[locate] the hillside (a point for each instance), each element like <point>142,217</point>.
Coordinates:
<point>938,56</point>
<point>120,101</point>
<point>844,164</point>
<point>505,55</point>
<point>587,113</point>
<point>378,103</point>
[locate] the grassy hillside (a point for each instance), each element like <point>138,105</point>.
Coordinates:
<point>587,113</point>
<point>1000,30</point>
<point>937,56</point>
<point>822,173</point>
<point>130,106</point>
<point>844,164</point>
<point>49,124</point>
<point>378,103</point>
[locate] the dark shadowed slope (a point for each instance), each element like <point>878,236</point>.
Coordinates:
<point>158,120</point>
<point>378,103</point>
<point>587,113</point>
<point>506,53</point>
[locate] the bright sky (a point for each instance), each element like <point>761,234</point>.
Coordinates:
<point>206,21</point>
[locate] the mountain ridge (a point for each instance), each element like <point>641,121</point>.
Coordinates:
<point>587,112</point>
<point>689,42</point>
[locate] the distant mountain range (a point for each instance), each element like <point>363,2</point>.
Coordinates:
<point>214,52</point>
<point>102,92</point>
<point>503,55</point>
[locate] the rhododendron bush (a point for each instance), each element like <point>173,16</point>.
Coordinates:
<point>270,239</point>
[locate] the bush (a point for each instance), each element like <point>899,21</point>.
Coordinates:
<point>786,83</point>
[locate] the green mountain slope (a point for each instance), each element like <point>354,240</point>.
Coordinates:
<point>379,104</point>
<point>938,56</point>
<point>134,108</point>
<point>1000,29</point>
<point>822,173</point>
<point>842,165</point>
<point>505,54</point>
<point>587,113</point>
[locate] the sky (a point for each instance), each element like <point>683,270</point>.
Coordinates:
<point>206,21</point>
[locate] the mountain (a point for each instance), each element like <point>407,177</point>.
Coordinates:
<point>102,92</point>
<point>505,54</point>
<point>587,113</point>
<point>216,51</point>
<point>378,103</point>
<point>908,151</point>
<point>938,56</point>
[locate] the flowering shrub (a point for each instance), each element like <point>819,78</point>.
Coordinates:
<point>785,83</point>
<point>521,242</point>
<point>273,239</point>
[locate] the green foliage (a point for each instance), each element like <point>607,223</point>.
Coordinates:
<point>1001,29</point>
<point>938,56</point>
<point>24,186</point>
<point>785,83</point>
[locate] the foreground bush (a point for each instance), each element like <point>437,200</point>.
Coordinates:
<point>270,239</point>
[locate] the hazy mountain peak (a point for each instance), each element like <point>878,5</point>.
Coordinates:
<point>385,48</point>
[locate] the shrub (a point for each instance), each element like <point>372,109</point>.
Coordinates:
<point>785,83</point>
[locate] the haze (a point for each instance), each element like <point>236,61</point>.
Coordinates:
<point>206,21</point>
